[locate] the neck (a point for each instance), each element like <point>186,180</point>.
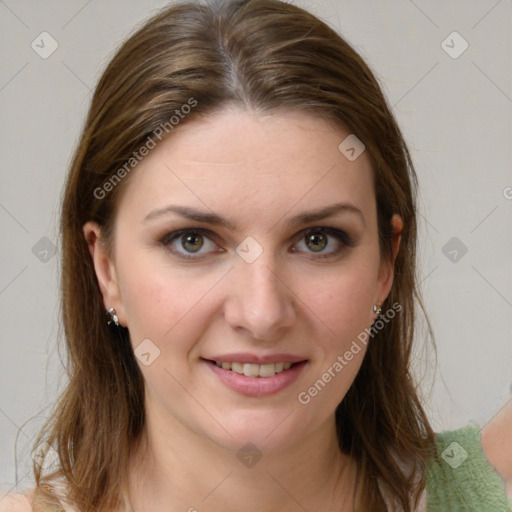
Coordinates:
<point>188,472</point>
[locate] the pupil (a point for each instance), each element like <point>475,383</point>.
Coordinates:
<point>317,241</point>
<point>192,243</point>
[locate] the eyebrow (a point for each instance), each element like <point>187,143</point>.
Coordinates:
<point>214,219</point>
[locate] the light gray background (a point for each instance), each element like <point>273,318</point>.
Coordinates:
<point>454,112</point>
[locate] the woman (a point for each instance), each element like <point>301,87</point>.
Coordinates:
<point>242,205</point>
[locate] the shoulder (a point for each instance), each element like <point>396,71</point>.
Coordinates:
<point>16,503</point>
<point>461,473</point>
<point>497,444</point>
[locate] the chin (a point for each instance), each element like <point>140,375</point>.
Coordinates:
<point>267,431</point>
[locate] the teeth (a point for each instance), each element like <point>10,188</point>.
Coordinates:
<point>266,370</point>
<point>237,367</point>
<point>254,370</point>
<point>251,370</point>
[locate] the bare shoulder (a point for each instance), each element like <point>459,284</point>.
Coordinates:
<point>16,503</point>
<point>497,444</point>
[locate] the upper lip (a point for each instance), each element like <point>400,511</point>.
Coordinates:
<point>257,359</point>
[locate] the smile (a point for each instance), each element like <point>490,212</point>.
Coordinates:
<point>256,380</point>
<point>254,370</point>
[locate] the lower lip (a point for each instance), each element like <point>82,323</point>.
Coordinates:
<point>257,386</point>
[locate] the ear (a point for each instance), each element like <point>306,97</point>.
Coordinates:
<point>387,267</point>
<point>105,269</point>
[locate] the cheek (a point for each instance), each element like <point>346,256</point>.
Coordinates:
<point>158,297</point>
<point>342,302</point>
<point>343,310</point>
<point>146,300</point>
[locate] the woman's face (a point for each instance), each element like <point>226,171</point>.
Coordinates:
<point>249,240</point>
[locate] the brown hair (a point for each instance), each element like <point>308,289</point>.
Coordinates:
<point>264,55</point>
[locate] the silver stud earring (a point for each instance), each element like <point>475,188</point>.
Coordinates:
<point>377,309</point>
<point>112,317</point>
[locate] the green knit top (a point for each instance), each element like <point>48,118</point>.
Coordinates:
<point>461,479</point>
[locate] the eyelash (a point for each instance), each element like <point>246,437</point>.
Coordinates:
<point>341,236</point>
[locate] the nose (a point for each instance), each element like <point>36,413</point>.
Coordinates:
<point>259,301</point>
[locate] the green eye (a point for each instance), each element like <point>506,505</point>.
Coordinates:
<point>316,242</point>
<point>323,242</point>
<point>192,242</point>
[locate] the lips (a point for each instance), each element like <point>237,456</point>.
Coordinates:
<point>244,357</point>
<point>257,376</point>
<point>255,370</point>
<point>252,365</point>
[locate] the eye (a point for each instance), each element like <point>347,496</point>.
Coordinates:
<point>322,241</point>
<point>189,242</point>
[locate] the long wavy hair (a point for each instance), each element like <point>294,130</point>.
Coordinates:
<point>264,55</point>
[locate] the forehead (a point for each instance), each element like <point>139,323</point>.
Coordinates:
<point>254,162</point>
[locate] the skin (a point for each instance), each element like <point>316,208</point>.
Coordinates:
<point>187,459</point>
<point>496,439</point>
<point>289,300</point>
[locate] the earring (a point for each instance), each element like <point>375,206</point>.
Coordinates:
<point>112,317</point>
<point>377,309</point>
